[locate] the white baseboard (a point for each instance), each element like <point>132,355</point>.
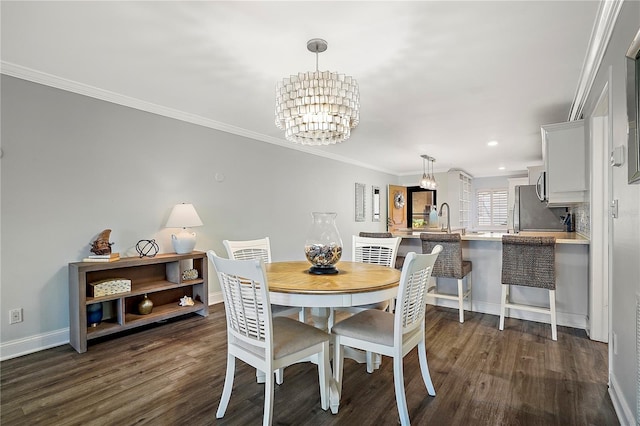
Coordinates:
<point>31,344</point>
<point>215,298</point>
<point>40,342</point>
<point>565,319</point>
<point>624,412</point>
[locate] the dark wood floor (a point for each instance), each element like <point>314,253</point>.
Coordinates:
<point>173,375</point>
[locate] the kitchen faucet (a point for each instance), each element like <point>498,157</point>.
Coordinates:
<point>448,216</point>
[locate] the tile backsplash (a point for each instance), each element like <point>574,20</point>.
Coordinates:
<point>582,216</point>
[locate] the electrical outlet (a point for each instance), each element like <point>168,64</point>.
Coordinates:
<point>15,316</point>
<point>615,343</point>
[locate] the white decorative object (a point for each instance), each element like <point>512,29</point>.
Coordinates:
<point>183,216</point>
<point>186,301</point>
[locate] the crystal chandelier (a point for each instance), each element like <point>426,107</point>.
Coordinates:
<point>317,108</point>
<point>428,181</point>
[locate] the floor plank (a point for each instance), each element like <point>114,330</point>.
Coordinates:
<point>173,373</point>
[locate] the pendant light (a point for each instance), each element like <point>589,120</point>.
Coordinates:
<point>428,181</point>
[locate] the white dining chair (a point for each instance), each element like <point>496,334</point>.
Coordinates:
<point>392,334</point>
<point>377,251</point>
<point>257,338</point>
<point>260,249</point>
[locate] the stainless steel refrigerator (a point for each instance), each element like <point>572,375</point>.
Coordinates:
<point>531,214</point>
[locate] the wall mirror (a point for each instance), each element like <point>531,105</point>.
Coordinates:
<point>633,109</point>
<point>375,203</point>
<point>360,191</point>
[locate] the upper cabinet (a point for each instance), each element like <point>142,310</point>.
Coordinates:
<point>564,181</point>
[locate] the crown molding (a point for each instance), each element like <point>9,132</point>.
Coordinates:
<point>608,12</point>
<point>54,81</point>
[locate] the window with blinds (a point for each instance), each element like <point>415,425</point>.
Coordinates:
<point>492,208</point>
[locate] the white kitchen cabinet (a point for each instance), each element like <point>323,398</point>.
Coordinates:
<point>565,163</point>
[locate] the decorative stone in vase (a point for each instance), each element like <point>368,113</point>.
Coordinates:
<point>323,246</point>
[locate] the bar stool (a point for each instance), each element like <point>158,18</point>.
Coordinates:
<point>529,262</point>
<point>449,265</point>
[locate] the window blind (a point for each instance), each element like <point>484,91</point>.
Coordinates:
<point>492,207</point>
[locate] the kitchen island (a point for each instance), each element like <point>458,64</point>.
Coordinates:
<point>484,250</point>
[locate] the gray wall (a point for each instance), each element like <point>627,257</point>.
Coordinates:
<point>74,165</point>
<point>625,284</point>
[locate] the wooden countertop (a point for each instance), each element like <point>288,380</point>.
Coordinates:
<point>561,237</point>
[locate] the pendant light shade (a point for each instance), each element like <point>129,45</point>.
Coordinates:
<point>317,108</point>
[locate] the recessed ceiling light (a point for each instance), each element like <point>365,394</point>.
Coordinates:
<point>492,143</point>
<point>501,168</point>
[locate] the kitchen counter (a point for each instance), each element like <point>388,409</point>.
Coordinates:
<point>484,249</point>
<point>561,237</point>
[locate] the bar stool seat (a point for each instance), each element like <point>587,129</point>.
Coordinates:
<point>449,265</point>
<point>529,262</point>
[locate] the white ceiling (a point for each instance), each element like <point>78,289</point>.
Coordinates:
<point>436,77</point>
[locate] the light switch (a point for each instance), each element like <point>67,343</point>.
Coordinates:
<point>617,156</point>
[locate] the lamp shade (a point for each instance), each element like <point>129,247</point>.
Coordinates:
<point>183,216</point>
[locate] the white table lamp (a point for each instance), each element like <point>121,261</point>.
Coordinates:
<point>183,216</point>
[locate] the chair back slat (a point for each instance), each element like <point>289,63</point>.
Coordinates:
<point>449,263</point>
<point>414,281</point>
<point>249,249</point>
<point>378,251</point>
<point>245,294</point>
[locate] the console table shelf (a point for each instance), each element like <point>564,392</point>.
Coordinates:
<point>159,277</point>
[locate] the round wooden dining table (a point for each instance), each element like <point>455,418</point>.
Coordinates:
<point>291,284</point>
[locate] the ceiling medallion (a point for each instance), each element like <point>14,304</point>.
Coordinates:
<point>317,108</point>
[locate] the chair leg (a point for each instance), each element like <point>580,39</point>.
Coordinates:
<point>302,315</point>
<point>552,308</point>
<point>260,376</point>
<point>268,400</point>
<point>323,375</point>
<point>280,376</point>
<point>503,301</point>
<point>369,356</point>
<point>398,381</point>
<point>469,287</point>
<point>228,385</point>
<point>461,300</point>
<point>424,368</point>
<point>338,361</point>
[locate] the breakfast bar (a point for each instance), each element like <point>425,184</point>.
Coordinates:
<point>484,249</point>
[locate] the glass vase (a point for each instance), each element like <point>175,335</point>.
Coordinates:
<point>323,247</point>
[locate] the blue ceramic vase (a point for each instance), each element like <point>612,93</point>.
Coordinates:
<point>94,314</point>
